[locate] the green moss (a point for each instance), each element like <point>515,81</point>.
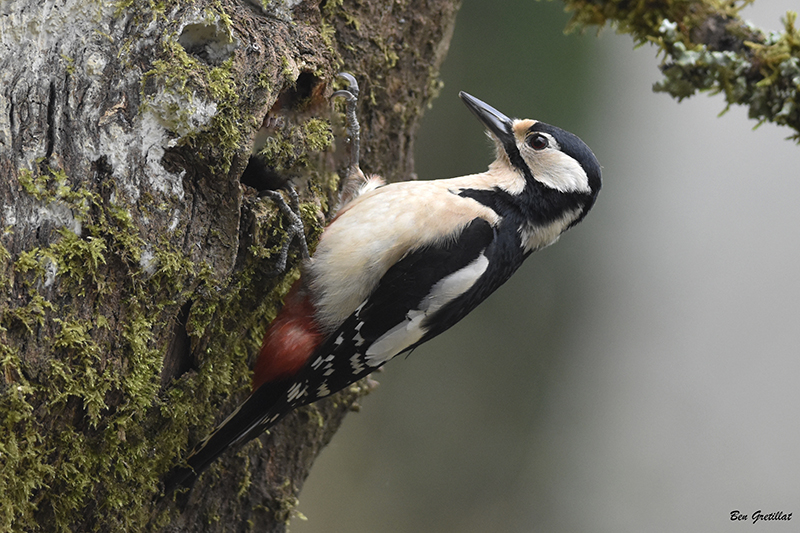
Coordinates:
<point>144,8</point>
<point>29,262</point>
<point>77,259</point>
<point>336,8</point>
<point>282,508</point>
<point>197,102</point>
<point>390,56</point>
<point>116,224</point>
<point>247,477</point>
<point>35,187</point>
<point>434,86</point>
<point>287,70</point>
<point>5,279</point>
<point>292,146</point>
<point>314,414</point>
<point>111,385</point>
<point>328,33</point>
<point>72,258</point>
<point>332,10</point>
<point>87,428</point>
<point>22,462</point>
<point>77,371</point>
<point>30,315</point>
<point>106,458</point>
<point>264,82</point>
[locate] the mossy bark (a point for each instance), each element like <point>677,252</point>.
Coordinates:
<point>137,272</point>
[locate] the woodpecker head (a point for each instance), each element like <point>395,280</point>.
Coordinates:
<point>545,155</point>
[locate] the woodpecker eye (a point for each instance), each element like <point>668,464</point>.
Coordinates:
<point>538,141</point>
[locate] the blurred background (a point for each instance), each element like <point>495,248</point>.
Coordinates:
<point>640,375</point>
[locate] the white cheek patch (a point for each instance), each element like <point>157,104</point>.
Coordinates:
<point>557,170</point>
<point>410,330</point>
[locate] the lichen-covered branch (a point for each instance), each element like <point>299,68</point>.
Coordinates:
<point>707,46</point>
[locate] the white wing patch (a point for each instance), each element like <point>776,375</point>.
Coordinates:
<point>355,363</point>
<point>298,390</point>
<point>410,330</point>
<point>396,339</point>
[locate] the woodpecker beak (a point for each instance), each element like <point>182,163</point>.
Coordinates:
<point>499,124</point>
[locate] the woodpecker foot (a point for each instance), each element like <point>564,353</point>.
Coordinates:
<point>353,129</point>
<point>295,228</point>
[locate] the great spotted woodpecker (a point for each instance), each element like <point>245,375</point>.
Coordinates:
<point>403,262</point>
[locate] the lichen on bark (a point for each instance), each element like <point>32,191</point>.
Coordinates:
<point>707,46</point>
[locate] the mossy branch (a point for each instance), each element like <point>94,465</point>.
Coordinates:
<point>707,46</point>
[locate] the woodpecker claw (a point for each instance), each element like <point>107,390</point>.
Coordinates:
<point>295,230</point>
<point>353,129</point>
<point>352,85</point>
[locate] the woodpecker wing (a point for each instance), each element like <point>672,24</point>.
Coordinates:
<point>400,310</point>
<point>422,295</point>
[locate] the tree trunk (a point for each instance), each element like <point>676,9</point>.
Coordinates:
<point>138,273</point>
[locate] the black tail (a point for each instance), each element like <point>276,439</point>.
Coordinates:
<point>260,411</point>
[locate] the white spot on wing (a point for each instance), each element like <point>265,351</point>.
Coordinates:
<point>319,360</point>
<point>355,362</point>
<point>358,340</point>
<point>410,330</point>
<point>298,390</point>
